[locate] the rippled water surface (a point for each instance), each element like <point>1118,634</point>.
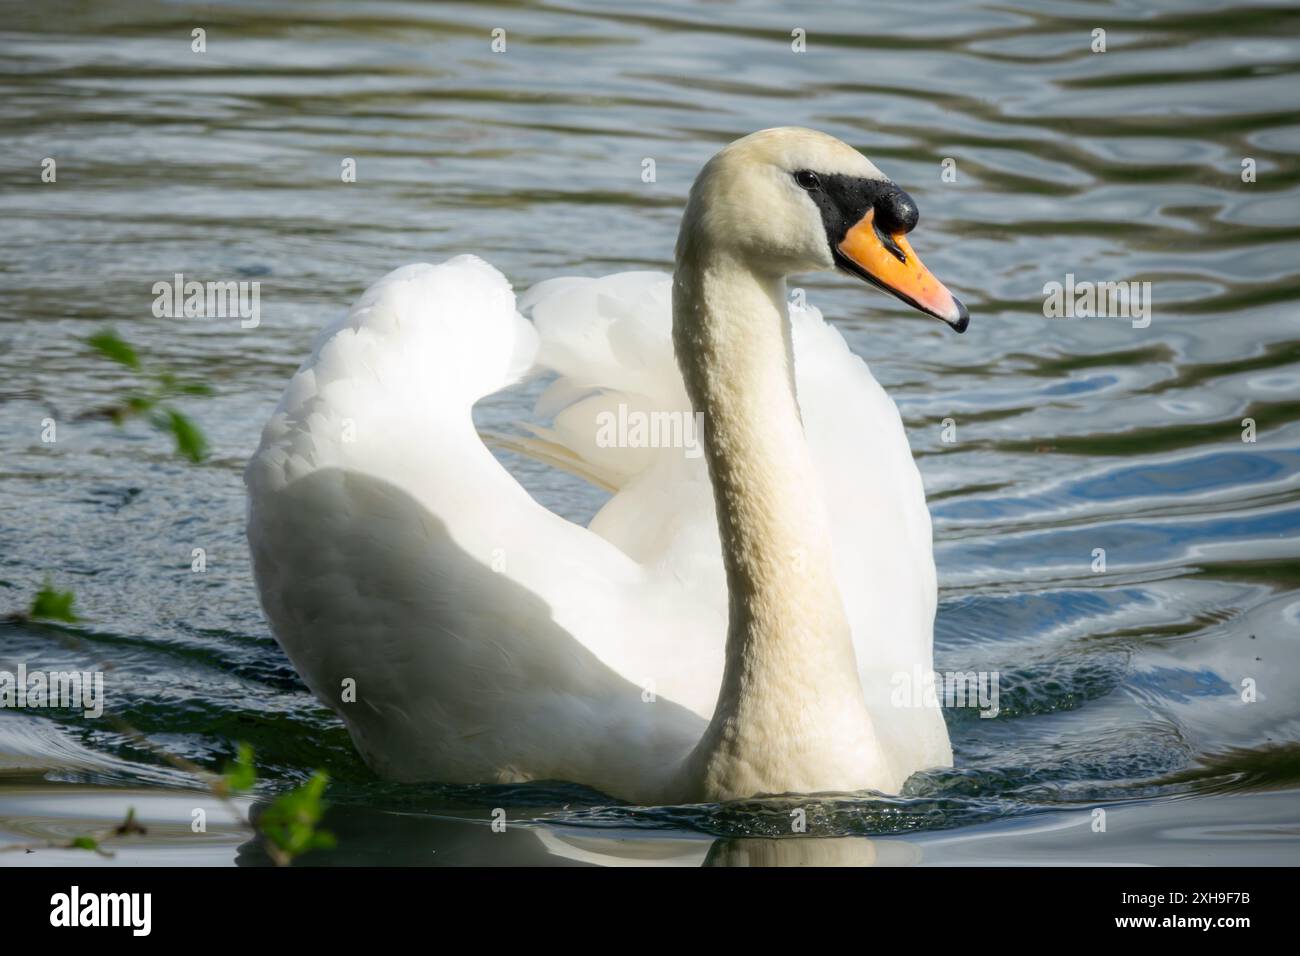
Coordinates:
<point>1121,689</point>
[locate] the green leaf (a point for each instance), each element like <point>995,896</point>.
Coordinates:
<point>84,843</point>
<point>52,605</point>
<point>240,775</point>
<point>189,438</point>
<point>109,345</point>
<point>290,822</point>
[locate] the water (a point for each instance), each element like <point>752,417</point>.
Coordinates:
<point>1121,690</point>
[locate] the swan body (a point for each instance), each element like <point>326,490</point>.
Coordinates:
<point>732,622</point>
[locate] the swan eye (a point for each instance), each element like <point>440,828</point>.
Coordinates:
<point>807,179</point>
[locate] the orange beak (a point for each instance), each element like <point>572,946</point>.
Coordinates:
<point>890,263</point>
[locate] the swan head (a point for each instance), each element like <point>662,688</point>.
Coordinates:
<point>791,200</point>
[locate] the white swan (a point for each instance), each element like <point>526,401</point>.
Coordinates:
<point>466,634</point>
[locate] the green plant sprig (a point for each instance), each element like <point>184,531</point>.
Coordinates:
<point>153,398</point>
<point>289,826</point>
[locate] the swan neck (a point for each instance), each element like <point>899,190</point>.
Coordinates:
<point>789,654</point>
<point>733,341</point>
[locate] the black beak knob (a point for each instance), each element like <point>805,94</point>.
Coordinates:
<point>895,212</point>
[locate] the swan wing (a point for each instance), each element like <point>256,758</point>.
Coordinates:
<point>461,630</point>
